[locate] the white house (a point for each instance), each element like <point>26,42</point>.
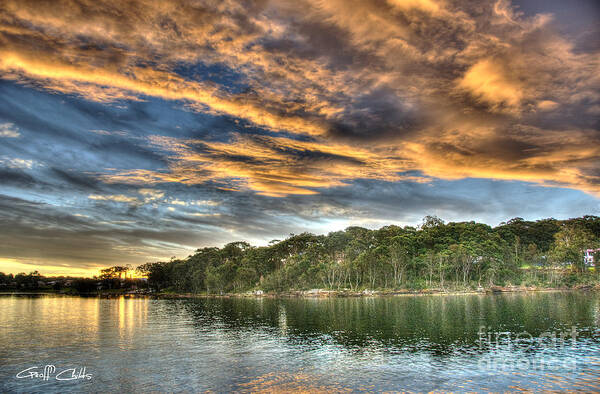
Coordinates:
<point>588,258</point>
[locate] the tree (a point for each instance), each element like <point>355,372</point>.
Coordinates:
<point>431,221</point>
<point>157,273</point>
<point>215,279</point>
<point>4,279</point>
<point>28,281</point>
<point>570,245</point>
<point>245,277</point>
<point>84,285</point>
<point>451,254</point>
<point>401,252</point>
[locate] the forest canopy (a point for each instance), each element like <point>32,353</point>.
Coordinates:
<point>433,255</point>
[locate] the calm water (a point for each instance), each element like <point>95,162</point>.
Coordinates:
<point>459,343</point>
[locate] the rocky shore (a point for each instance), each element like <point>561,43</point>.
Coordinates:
<point>324,293</point>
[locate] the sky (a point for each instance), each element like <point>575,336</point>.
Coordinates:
<point>136,131</point>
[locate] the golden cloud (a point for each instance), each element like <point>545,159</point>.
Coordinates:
<point>424,5</point>
<point>426,85</point>
<point>271,166</point>
<point>486,80</point>
<point>88,81</point>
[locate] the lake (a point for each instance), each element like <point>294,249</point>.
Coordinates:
<point>507,342</point>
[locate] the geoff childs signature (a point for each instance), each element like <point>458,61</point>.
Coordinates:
<point>49,371</point>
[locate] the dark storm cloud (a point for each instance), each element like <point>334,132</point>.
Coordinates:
<point>10,177</point>
<point>77,180</point>
<point>375,116</point>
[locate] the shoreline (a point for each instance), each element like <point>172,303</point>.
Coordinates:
<point>317,293</point>
<point>323,293</point>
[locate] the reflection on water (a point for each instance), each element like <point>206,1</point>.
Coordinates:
<point>545,341</point>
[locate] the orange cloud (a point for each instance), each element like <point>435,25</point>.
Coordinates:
<point>486,81</point>
<point>428,85</point>
<point>424,5</point>
<point>272,166</point>
<point>556,159</point>
<point>147,82</point>
<point>277,166</point>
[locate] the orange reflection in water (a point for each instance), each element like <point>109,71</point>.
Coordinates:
<point>289,383</point>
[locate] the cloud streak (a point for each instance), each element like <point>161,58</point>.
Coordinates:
<point>404,69</point>
<point>271,166</point>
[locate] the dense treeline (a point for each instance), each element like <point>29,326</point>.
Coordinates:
<point>434,255</point>
<point>114,278</point>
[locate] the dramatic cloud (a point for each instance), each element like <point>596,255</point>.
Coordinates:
<point>207,110</point>
<point>271,166</point>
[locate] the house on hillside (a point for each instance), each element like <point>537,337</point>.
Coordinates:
<point>588,257</point>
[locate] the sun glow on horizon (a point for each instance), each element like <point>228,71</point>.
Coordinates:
<point>13,266</point>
